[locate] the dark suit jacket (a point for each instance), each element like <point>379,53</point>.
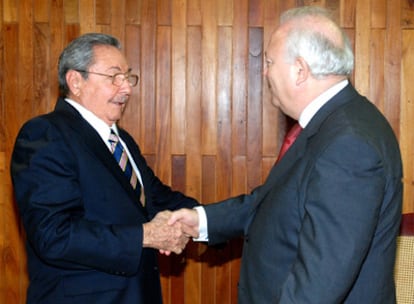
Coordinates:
<point>323,227</point>
<point>82,218</point>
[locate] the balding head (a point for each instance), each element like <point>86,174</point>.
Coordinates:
<point>314,36</point>
<point>307,54</point>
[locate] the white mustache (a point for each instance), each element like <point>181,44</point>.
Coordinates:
<point>121,99</point>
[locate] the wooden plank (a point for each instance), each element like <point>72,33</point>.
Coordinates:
<point>13,271</point>
<point>254,108</point>
<point>209,257</point>
<point>179,45</point>
<point>407,13</point>
<point>240,74</point>
<point>103,11</point>
<point>148,51</point>
<point>164,10</point>
<point>362,41</point>
<point>163,104</point>
<point>2,102</point>
<point>3,201</point>
<point>16,262</point>
<point>177,290</point>
<point>133,111</point>
<point>311,3</point>
<point>117,13</point>
<point>225,12</point>
<point>256,13</point>
<point>271,115</point>
<point>70,9</point>
<point>41,11</point>
<point>209,74</point>
<point>220,256</point>
<point>376,91</point>
<point>25,63</point>
<point>133,11</point>
<point>224,114</point>
<point>186,108</point>
<point>41,62</point>
<point>407,121</point>
<point>12,112</point>
<point>193,112</point>
<point>392,57</point>
<point>87,16</point>
<point>193,12</point>
<point>335,7</point>
<point>347,13</point>
<point>56,43</point>
<point>378,14</point>
<point>10,11</point>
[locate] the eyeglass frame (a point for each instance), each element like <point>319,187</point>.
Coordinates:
<point>126,75</point>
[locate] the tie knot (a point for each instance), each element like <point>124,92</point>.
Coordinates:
<point>294,132</point>
<point>113,140</point>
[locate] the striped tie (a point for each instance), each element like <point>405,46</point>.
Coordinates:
<point>122,158</point>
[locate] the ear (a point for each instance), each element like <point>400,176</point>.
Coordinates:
<point>74,80</point>
<point>302,70</point>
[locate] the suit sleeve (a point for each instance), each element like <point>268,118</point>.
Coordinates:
<point>49,196</point>
<point>342,205</point>
<point>231,218</point>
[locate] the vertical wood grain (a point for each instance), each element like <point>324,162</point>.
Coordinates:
<point>407,121</point>
<point>254,108</point>
<point>209,70</point>
<point>271,115</point>
<point>392,61</point>
<point>240,74</point>
<point>362,41</point>
<point>147,67</point>
<point>179,45</point>
<point>163,104</point>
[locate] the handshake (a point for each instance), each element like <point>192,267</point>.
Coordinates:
<point>170,231</point>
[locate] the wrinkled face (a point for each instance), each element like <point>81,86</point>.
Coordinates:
<point>97,93</point>
<point>280,74</point>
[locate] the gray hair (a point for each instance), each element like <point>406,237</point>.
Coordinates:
<point>79,55</point>
<point>323,55</point>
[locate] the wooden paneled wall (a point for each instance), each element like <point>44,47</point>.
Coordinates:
<point>201,114</point>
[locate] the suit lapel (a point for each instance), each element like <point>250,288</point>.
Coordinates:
<point>93,142</point>
<point>299,147</point>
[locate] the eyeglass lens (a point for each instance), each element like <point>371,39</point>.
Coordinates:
<point>118,79</point>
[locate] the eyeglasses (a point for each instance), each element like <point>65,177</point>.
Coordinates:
<point>118,78</point>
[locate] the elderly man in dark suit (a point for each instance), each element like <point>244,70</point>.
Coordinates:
<point>323,227</point>
<point>85,193</point>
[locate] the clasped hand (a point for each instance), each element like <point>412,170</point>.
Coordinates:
<point>170,231</point>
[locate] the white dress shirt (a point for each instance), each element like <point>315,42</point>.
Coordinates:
<point>104,131</point>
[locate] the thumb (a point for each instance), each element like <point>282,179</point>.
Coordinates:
<point>175,217</point>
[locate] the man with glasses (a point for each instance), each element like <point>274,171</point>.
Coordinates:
<point>87,198</point>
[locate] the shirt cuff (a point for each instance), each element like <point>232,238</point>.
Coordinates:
<point>202,225</point>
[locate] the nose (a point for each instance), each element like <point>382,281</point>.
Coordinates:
<point>126,86</point>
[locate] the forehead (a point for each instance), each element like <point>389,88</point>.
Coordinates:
<point>276,41</point>
<point>109,57</point>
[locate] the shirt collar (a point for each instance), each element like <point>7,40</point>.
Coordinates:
<point>312,108</point>
<point>98,124</point>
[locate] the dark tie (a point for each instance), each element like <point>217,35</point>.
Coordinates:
<point>122,158</point>
<point>289,139</point>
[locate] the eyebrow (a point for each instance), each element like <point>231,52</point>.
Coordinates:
<point>117,68</point>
